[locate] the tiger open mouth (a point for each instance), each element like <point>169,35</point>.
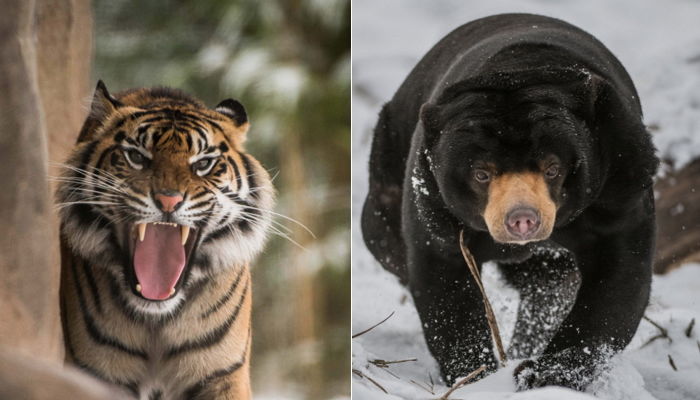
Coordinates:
<point>160,253</point>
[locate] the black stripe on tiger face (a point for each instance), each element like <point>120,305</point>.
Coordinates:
<point>252,180</point>
<point>200,194</point>
<point>243,224</point>
<point>236,172</point>
<point>220,170</point>
<point>120,136</point>
<point>190,142</point>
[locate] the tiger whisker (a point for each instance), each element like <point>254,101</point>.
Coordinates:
<point>77,191</point>
<point>285,217</point>
<point>86,172</point>
<point>60,206</point>
<point>82,182</point>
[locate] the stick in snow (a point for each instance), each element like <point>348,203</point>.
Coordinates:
<point>463,382</point>
<point>490,316</point>
<point>373,326</point>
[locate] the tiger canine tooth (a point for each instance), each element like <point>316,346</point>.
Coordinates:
<point>172,291</point>
<point>185,233</point>
<point>138,287</point>
<point>142,231</point>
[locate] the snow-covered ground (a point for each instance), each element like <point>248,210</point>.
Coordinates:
<point>659,43</point>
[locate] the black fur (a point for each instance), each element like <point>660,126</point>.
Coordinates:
<point>509,89</point>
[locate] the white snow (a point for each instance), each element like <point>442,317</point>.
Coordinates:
<point>659,44</point>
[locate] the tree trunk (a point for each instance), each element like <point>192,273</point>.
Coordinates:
<point>678,218</point>
<point>45,50</point>
<point>29,288</point>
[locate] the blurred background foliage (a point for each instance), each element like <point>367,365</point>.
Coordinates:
<point>288,62</point>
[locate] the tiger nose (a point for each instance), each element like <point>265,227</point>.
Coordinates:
<point>168,202</point>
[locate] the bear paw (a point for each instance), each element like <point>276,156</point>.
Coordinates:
<point>551,371</point>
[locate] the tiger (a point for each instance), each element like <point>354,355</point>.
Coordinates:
<point>161,213</point>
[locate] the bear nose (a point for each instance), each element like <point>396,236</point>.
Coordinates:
<point>522,222</point>
<point>168,201</point>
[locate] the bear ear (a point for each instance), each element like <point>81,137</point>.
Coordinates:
<point>103,105</point>
<point>430,118</point>
<point>234,110</point>
<point>615,117</point>
<point>590,91</point>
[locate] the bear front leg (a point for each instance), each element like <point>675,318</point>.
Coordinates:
<point>452,315</point>
<point>616,278</point>
<point>547,283</point>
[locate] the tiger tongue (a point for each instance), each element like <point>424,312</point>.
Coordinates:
<point>159,260</point>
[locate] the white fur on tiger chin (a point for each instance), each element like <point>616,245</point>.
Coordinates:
<point>141,305</point>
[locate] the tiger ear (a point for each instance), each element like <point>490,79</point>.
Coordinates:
<point>103,105</point>
<point>234,110</point>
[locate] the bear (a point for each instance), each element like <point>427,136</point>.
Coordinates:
<point>524,133</point>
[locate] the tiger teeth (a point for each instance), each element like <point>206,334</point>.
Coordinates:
<point>142,231</point>
<point>138,287</point>
<point>184,230</point>
<point>172,291</point>
<point>185,233</point>
<point>165,223</point>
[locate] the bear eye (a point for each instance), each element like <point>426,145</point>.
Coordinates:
<point>481,175</point>
<point>135,158</point>
<point>552,171</point>
<point>203,166</point>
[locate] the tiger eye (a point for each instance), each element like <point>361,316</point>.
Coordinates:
<point>136,157</point>
<point>203,164</point>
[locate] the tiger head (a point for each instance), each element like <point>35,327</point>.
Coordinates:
<point>160,193</point>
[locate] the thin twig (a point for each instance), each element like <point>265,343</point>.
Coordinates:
<point>656,324</point>
<point>689,329</point>
<point>663,332</point>
<point>463,382</point>
<point>373,326</point>
<point>422,387</point>
<point>361,375</point>
<point>385,364</point>
<point>490,316</point>
<point>673,364</point>
<point>651,339</point>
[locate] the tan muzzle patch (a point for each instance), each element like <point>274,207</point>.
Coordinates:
<point>519,208</point>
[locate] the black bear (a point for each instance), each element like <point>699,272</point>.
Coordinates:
<point>525,133</point>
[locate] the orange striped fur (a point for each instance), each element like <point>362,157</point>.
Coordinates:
<point>196,343</point>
